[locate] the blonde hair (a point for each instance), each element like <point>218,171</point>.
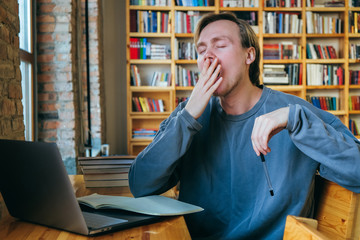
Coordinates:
<point>247,36</point>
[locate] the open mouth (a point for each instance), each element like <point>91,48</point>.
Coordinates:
<point>219,75</point>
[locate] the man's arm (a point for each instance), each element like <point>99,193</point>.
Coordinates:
<point>331,144</point>
<point>154,170</point>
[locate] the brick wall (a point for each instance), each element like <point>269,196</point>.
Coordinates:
<point>11,109</point>
<point>56,111</point>
<point>60,102</point>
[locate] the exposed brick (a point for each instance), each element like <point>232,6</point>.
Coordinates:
<point>66,96</point>
<point>45,38</point>
<point>51,125</point>
<point>63,37</point>
<point>46,27</point>
<point>48,107</point>
<point>47,87</point>
<point>3,51</point>
<point>45,19</point>
<point>62,28</point>
<point>43,1</point>
<point>8,107</point>
<point>62,9</point>
<point>15,91</point>
<point>69,115</point>
<point>63,18</point>
<point>48,135</point>
<point>19,107</point>
<point>63,57</point>
<point>46,77</point>
<point>47,97</point>
<point>45,58</point>
<point>46,8</point>
<point>10,53</point>
<point>4,33</point>
<point>7,71</point>
<point>17,125</point>
<point>5,127</point>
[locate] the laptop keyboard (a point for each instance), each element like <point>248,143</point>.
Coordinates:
<point>96,221</point>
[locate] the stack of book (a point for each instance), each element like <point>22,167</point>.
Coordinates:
<point>107,171</point>
<point>275,74</point>
<point>144,133</point>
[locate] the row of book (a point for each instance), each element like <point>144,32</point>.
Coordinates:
<point>331,3</point>
<point>145,104</point>
<point>162,3</point>
<point>354,76</point>
<point>354,22</point>
<point>324,75</point>
<point>282,74</point>
<point>354,103</point>
<point>140,48</point>
<point>325,103</point>
<point>185,50</point>
<point>239,3</point>
<point>282,50</point>
<point>109,171</point>
<point>150,21</point>
<point>160,79</point>
<point>353,127</point>
<point>185,22</point>
<point>278,22</point>
<point>179,100</point>
<point>185,77</point>
<point>192,3</point>
<point>318,51</point>
<point>354,51</point>
<point>144,133</point>
<point>322,24</point>
<point>283,3</point>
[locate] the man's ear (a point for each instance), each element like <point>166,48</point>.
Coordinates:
<point>250,55</point>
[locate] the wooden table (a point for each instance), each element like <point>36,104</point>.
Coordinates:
<point>173,228</point>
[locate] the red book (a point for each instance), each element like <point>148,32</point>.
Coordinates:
<point>332,52</point>
<point>320,51</point>
<point>133,48</point>
<point>188,23</point>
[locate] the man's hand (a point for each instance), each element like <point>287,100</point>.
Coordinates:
<point>266,126</point>
<point>204,88</point>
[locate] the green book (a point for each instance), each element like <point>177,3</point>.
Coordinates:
<point>151,205</point>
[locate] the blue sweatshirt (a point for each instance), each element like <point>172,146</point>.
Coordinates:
<point>214,161</point>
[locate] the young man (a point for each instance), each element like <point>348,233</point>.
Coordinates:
<point>212,144</point>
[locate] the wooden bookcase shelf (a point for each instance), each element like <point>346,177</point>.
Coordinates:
<point>172,93</point>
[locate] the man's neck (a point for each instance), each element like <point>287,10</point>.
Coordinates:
<point>242,100</point>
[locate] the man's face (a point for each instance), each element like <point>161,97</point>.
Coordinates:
<point>221,40</point>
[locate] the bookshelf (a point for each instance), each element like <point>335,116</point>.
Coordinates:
<point>340,35</point>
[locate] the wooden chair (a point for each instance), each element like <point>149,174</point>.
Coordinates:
<point>337,215</point>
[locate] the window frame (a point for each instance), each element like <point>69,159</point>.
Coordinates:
<point>30,58</point>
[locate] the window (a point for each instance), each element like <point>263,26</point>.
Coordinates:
<point>27,61</point>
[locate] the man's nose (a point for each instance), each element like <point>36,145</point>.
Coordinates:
<point>209,55</point>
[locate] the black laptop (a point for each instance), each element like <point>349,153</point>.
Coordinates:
<point>36,188</point>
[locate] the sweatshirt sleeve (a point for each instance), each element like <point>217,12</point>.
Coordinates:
<point>154,169</point>
<point>326,140</point>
